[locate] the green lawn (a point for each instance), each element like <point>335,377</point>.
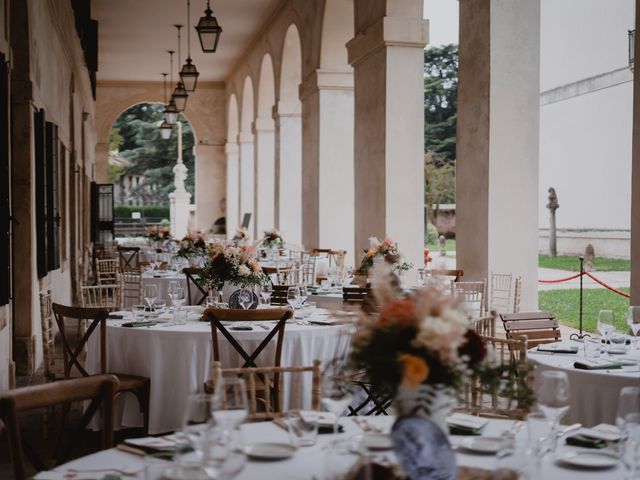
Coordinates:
<point>565,303</point>
<point>573,264</point>
<point>450,245</point>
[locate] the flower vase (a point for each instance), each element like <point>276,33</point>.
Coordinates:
<point>419,434</point>
<point>230,291</point>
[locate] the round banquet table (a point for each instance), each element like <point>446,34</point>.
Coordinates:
<point>593,393</point>
<point>162,281</point>
<point>178,360</point>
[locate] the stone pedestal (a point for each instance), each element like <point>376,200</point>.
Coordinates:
<point>387,54</point>
<point>497,141</point>
<point>247,178</point>
<point>327,161</point>
<point>233,188</point>
<point>288,188</point>
<point>265,174</point>
<point>179,208</point>
<point>635,175</point>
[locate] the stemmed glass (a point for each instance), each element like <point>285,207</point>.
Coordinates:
<point>553,398</point>
<point>265,292</point>
<point>245,298</point>
<point>230,405</point>
<point>633,321</point>
<point>349,274</point>
<point>337,392</point>
<point>177,297</point>
<point>606,325</point>
<point>304,294</point>
<point>150,295</point>
<point>198,431</point>
<point>293,297</point>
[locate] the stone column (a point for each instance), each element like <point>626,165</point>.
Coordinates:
<point>387,54</point>
<point>179,199</point>
<point>102,162</point>
<point>247,178</point>
<point>635,174</point>
<point>288,173</point>
<point>233,188</point>
<point>210,180</point>
<point>327,161</point>
<point>265,174</point>
<point>497,141</point>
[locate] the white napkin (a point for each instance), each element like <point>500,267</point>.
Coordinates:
<point>466,421</point>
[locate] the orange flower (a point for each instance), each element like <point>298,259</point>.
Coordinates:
<point>401,311</point>
<point>371,252</point>
<point>414,370</point>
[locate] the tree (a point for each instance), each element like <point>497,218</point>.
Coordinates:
<point>439,185</point>
<point>150,155</point>
<point>441,102</point>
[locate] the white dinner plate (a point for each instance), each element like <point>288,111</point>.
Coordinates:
<point>482,444</point>
<point>593,460</point>
<point>270,450</point>
<point>377,441</point>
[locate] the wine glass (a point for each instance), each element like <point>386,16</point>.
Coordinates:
<point>633,321</point>
<point>150,295</point>
<point>198,431</point>
<point>177,297</point>
<point>293,297</point>
<point>245,298</point>
<point>230,406</point>
<point>265,292</point>
<point>553,398</point>
<point>606,325</point>
<point>304,294</point>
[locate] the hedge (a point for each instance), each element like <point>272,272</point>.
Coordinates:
<point>157,211</point>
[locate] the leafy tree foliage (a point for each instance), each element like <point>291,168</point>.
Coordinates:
<point>439,185</point>
<point>137,133</point>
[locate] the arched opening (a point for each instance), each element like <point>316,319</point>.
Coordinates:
<point>233,173</point>
<point>288,187</point>
<point>140,165</point>
<point>247,161</point>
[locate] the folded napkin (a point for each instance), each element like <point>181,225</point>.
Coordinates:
<point>557,348</point>
<point>603,431</point>
<point>115,316</point>
<point>148,323</point>
<point>595,364</point>
<point>578,440</point>
<point>322,321</point>
<point>464,424</point>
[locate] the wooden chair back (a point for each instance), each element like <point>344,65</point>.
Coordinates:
<point>355,294</point>
<point>268,405</point>
<point>129,258</point>
<point>196,294</point>
<point>517,295</point>
<point>500,291</point>
<point>472,295</point>
<point>131,288</point>
<point>100,389</point>
<point>485,325</point>
<point>335,257</point>
<point>307,266</point>
<point>107,271</point>
<point>480,399</point>
<point>102,296</point>
<point>72,354</point>
<point>48,335</point>
<point>537,327</point>
<point>279,295</point>
<point>454,274</point>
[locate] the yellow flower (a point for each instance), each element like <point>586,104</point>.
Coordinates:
<point>414,370</point>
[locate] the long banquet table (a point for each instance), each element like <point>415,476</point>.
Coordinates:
<point>593,393</point>
<point>310,462</point>
<point>178,360</point>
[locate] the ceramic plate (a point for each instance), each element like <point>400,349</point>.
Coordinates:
<point>270,450</point>
<point>482,444</point>
<point>593,460</point>
<point>377,441</point>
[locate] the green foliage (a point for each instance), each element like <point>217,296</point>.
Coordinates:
<point>441,102</point>
<point>432,234</point>
<point>152,156</point>
<point>115,139</point>
<point>114,172</point>
<point>565,304</point>
<point>572,264</point>
<point>439,184</point>
<point>146,211</point>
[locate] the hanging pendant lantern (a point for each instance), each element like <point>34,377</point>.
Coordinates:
<point>208,31</point>
<point>189,73</point>
<point>179,95</point>
<point>170,110</point>
<point>165,127</point>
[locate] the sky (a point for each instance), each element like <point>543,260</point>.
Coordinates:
<point>443,21</point>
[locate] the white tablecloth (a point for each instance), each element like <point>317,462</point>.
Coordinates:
<point>594,393</point>
<point>162,281</point>
<point>178,361</point>
<point>308,462</point>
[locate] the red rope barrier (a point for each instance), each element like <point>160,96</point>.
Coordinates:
<point>615,290</point>
<point>561,279</point>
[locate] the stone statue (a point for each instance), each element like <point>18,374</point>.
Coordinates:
<point>553,205</point>
<point>179,176</point>
<point>589,255</point>
<point>442,241</point>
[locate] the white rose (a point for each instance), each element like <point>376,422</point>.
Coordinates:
<point>243,271</point>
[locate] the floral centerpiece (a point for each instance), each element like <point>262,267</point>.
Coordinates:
<point>157,233</point>
<point>231,264</point>
<point>192,245</point>
<point>387,250</point>
<point>272,239</point>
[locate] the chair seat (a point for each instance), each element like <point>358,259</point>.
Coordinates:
<point>130,382</point>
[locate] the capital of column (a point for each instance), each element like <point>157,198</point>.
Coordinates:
<point>326,80</point>
<point>231,148</point>
<point>407,32</point>
<point>263,125</point>
<point>245,137</point>
<point>287,109</point>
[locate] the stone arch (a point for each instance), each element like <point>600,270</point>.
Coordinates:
<point>247,153</point>
<point>266,88</point>
<point>248,109</point>
<point>337,30</point>
<point>291,66</point>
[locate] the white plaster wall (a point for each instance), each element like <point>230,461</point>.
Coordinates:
<point>582,38</point>
<point>585,154</point>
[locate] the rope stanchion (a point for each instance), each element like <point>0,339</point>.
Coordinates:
<point>609,287</point>
<point>559,280</point>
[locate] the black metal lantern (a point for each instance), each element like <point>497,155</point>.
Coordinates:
<point>165,130</point>
<point>171,113</point>
<point>180,96</point>
<point>208,31</point>
<point>165,127</point>
<point>189,73</point>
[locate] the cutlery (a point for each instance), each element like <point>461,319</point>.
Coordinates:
<point>73,473</point>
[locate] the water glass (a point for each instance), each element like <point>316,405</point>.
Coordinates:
<point>303,427</point>
<point>293,297</point>
<point>539,432</point>
<point>150,294</point>
<point>337,393</point>
<point>628,404</point>
<point>553,398</point>
<point>138,312</point>
<point>180,317</point>
<point>177,297</point>
<point>606,324</point>
<point>230,405</point>
<point>225,455</point>
<point>512,456</point>
<point>592,348</point>
<point>160,307</point>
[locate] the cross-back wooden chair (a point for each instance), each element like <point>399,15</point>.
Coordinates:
<point>270,406</point>
<point>196,293</point>
<point>131,288</point>
<point>472,295</point>
<point>537,327</point>
<point>72,354</point>
<point>100,389</point>
<point>500,291</point>
<point>453,275</point>
<point>129,258</point>
<point>107,271</point>
<point>217,316</point>
<point>485,325</point>
<point>307,266</point>
<point>102,296</point>
<point>510,355</point>
<point>335,257</point>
